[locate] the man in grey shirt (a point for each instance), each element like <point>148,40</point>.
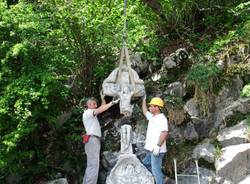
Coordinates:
<point>93,129</point>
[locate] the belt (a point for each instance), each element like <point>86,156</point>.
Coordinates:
<point>95,136</point>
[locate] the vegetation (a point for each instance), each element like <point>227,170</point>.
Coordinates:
<point>54,53</point>
<point>204,77</point>
<point>246,91</point>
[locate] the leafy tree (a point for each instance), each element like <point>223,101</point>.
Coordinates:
<point>52,54</point>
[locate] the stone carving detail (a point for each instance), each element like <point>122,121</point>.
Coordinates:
<point>126,146</point>
<point>128,168</point>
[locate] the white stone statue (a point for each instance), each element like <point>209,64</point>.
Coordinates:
<point>128,169</point>
<point>125,83</point>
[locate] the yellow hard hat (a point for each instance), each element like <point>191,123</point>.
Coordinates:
<point>156,101</point>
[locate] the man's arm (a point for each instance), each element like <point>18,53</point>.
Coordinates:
<point>144,106</point>
<point>162,138</point>
<point>103,108</point>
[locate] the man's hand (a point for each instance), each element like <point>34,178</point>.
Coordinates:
<point>156,150</point>
<point>115,100</point>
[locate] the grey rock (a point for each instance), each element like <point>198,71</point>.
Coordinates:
<point>245,180</point>
<point>176,89</point>
<point>109,159</point>
<point>169,62</point>
<point>234,164</point>
<point>241,105</point>
<point>138,65</point>
<point>175,59</point>
<point>191,108</point>
<point>190,132</point>
<point>237,134</point>
<point>205,151</point>
<point>176,133</point>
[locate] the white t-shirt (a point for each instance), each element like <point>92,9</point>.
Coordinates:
<point>156,124</point>
<point>91,123</point>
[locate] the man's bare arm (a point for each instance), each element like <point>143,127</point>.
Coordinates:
<point>163,137</point>
<point>103,108</point>
<point>144,106</point>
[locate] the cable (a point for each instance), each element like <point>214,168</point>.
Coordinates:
<point>124,36</point>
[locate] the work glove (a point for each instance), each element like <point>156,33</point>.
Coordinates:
<point>156,150</point>
<point>115,100</point>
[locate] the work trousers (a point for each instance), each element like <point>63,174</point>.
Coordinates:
<point>92,149</point>
<point>153,164</point>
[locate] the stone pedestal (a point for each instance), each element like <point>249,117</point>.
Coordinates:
<point>128,168</point>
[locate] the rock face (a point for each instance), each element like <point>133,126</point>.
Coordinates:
<point>176,88</point>
<point>128,168</point>
<point>237,134</point>
<point>234,164</point>
<point>240,105</point>
<point>175,59</point>
<point>205,151</point>
<point>246,180</point>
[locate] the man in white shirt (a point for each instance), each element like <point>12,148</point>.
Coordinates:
<point>156,137</point>
<point>92,147</point>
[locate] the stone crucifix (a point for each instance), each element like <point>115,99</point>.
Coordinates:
<point>125,83</point>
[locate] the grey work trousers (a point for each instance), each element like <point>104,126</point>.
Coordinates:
<point>92,149</point>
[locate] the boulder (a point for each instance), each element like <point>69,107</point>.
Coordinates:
<point>191,108</point>
<point>237,134</point>
<point>234,164</point>
<point>245,180</point>
<point>176,89</point>
<point>205,151</point>
<point>190,132</point>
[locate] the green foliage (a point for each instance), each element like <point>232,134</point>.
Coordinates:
<point>46,44</point>
<point>245,91</point>
<point>174,101</point>
<point>32,90</point>
<point>220,42</point>
<point>42,45</point>
<point>84,24</point>
<point>203,75</point>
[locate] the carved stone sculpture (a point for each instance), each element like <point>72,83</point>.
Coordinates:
<point>128,168</point>
<point>125,83</point>
<point>126,136</point>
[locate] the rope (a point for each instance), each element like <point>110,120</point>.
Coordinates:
<point>124,36</point>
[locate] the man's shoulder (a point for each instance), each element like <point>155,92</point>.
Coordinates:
<point>88,112</point>
<point>162,116</point>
